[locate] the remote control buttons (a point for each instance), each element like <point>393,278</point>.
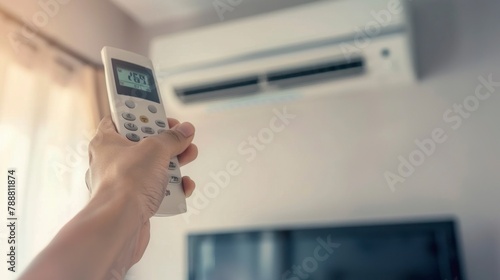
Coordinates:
<point>144,119</point>
<point>147,130</point>
<point>152,109</point>
<point>161,124</point>
<point>130,104</point>
<point>174,180</point>
<point>133,137</point>
<point>172,165</point>
<point>131,126</point>
<point>128,117</point>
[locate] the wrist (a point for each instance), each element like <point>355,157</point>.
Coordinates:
<point>119,198</point>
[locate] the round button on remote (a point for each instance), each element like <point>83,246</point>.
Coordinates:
<point>147,130</point>
<point>130,104</point>
<point>152,109</point>
<point>174,180</point>
<point>131,126</point>
<point>161,124</point>
<point>133,137</point>
<point>128,116</point>
<point>172,166</point>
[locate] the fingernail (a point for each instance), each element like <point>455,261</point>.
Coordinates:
<point>185,129</point>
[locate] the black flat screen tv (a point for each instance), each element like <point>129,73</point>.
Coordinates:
<point>395,251</point>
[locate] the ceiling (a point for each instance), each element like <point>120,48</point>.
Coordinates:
<point>149,13</point>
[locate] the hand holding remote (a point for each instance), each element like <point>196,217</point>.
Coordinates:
<point>127,181</point>
<point>139,170</point>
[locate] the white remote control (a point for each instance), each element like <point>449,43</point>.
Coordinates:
<point>138,112</point>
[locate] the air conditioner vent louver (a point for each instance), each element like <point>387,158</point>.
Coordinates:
<point>292,76</point>
<point>315,73</point>
<point>237,86</point>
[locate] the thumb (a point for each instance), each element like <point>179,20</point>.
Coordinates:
<point>178,138</point>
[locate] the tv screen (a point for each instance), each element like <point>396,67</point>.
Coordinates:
<point>409,251</point>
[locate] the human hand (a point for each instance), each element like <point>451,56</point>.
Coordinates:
<point>139,170</point>
<point>127,181</point>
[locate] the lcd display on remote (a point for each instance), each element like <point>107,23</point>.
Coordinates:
<point>133,79</point>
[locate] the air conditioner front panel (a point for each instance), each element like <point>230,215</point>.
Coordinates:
<point>315,22</point>
<point>378,71</point>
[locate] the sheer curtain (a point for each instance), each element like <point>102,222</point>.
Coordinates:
<point>48,114</point>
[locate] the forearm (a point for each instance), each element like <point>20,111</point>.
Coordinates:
<point>97,243</point>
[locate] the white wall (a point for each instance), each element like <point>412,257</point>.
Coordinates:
<point>83,26</point>
<point>328,165</point>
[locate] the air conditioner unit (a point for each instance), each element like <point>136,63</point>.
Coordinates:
<point>326,47</point>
